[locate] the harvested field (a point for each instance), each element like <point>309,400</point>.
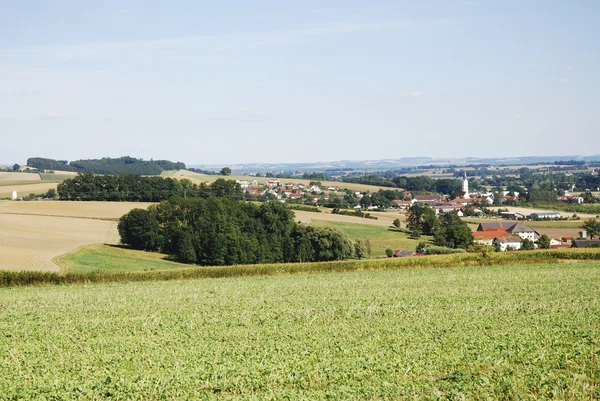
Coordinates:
<point>4,176</point>
<point>309,217</point>
<point>29,242</point>
<point>24,189</point>
<point>92,210</point>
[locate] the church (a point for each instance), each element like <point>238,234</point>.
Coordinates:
<point>465,187</point>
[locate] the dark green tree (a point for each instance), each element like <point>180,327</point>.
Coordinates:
<point>453,232</point>
<point>544,242</point>
<point>16,167</point>
<point>140,229</point>
<point>389,252</point>
<point>225,171</point>
<point>592,226</point>
<point>527,244</point>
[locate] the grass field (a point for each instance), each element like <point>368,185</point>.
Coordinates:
<point>26,188</point>
<point>507,332</point>
<point>381,237</point>
<point>106,258</point>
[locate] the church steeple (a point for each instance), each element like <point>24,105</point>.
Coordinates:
<point>465,186</point>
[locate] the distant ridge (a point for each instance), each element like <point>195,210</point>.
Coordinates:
<point>388,164</point>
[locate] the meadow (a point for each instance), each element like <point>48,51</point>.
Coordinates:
<point>525,332</point>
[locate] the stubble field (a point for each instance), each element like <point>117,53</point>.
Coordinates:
<point>506,332</point>
<point>33,233</point>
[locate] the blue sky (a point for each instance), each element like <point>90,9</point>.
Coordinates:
<point>289,81</point>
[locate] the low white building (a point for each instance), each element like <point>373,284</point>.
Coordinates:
<point>14,194</point>
<point>513,241</point>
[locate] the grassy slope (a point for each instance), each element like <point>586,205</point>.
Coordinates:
<point>106,258</point>
<point>381,237</point>
<point>458,333</point>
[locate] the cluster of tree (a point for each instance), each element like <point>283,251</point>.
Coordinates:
<point>592,226</point>
<point>107,165</point>
<point>370,180</point>
<point>225,231</point>
<point>448,230</point>
<point>382,198</point>
<point>87,186</point>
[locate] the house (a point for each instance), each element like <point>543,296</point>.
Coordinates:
<point>511,215</point>
<point>501,225</point>
<point>523,231</point>
<point>314,188</point>
<point>487,237</point>
<point>510,228</point>
<point>514,242</point>
<point>544,215</point>
<point>401,204</point>
<point>448,208</point>
<point>555,242</point>
<point>428,199</point>
<point>582,243</point>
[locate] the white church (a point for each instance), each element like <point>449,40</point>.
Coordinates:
<point>465,187</point>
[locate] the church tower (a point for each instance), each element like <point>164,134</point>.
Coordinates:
<point>465,186</point>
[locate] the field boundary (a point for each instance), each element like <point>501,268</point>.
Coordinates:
<point>62,216</point>
<point>28,278</point>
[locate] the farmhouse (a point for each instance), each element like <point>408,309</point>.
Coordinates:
<point>448,208</point>
<point>487,237</point>
<point>402,204</point>
<point>430,199</point>
<point>513,242</point>
<point>509,229</point>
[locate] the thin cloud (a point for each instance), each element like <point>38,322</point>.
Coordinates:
<point>49,116</point>
<point>218,42</point>
<point>245,109</point>
<point>564,81</point>
<point>413,94</point>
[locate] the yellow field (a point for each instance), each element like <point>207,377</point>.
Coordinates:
<point>33,233</point>
<point>91,210</point>
<point>7,176</point>
<point>24,189</point>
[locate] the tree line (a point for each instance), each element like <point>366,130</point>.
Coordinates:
<point>88,186</point>
<point>107,165</point>
<point>225,231</point>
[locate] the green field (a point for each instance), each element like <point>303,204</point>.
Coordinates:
<point>381,237</point>
<point>107,258</point>
<point>506,332</point>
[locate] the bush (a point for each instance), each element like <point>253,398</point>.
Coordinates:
<point>389,252</point>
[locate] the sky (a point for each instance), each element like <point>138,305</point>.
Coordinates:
<point>227,82</point>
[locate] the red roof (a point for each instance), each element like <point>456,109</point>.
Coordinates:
<point>489,234</point>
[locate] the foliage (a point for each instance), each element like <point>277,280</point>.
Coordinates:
<point>397,223</point>
<point>592,226</point>
<point>527,244</point>
<point>220,230</point>
<point>439,250</point>
<point>107,165</point>
<point>422,217</point>
<point>16,167</point>
<point>87,186</point>
<point>389,252</point>
<point>544,242</point>
<point>226,171</point>
<point>453,232</point>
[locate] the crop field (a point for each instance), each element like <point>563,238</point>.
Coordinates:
<point>24,189</point>
<point>30,242</point>
<point>505,332</point>
<point>383,219</point>
<point>32,234</point>
<point>381,237</point>
<point>9,176</point>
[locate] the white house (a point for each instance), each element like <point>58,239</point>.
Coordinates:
<point>513,241</point>
<point>14,194</point>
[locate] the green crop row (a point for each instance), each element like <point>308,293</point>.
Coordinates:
<point>26,278</point>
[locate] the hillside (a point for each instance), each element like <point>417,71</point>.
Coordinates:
<point>107,165</point>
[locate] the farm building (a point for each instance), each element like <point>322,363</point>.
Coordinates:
<point>544,215</point>
<point>582,243</point>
